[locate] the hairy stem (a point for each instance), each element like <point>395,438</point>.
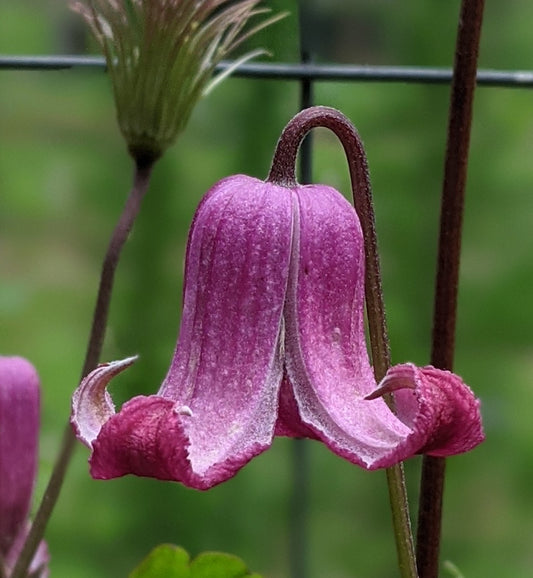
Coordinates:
<point>445,309</point>
<point>282,173</point>
<point>94,347</point>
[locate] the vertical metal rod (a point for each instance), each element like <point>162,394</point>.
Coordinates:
<point>449,254</point>
<point>306,100</point>
<point>299,507</point>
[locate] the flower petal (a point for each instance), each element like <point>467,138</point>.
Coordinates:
<point>218,404</point>
<point>327,360</point>
<point>19,430</point>
<point>145,438</point>
<point>92,405</point>
<point>438,406</point>
<point>227,366</point>
<point>289,422</point>
<point>148,438</point>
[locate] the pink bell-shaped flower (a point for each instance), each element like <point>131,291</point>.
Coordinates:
<point>19,430</point>
<point>272,343</point>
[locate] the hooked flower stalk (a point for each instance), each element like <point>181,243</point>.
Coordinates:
<point>19,430</point>
<point>272,342</point>
<point>161,55</point>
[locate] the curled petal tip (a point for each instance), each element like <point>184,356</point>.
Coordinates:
<point>442,410</point>
<point>119,365</point>
<point>460,423</point>
<point>92,405</point>
<point>391,383</point>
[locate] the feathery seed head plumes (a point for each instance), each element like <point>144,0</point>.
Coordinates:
<point>161,55</point>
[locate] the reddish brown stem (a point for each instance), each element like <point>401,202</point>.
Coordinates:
<point>94,348</point>
<point>282,172</point>
<point>445,311</point>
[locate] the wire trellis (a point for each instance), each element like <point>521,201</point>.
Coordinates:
<point>304,71</point>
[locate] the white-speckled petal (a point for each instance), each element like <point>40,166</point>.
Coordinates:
<point>227,366</point>
<point>327,358</point>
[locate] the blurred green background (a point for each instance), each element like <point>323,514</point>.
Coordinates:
<point>64,175</point>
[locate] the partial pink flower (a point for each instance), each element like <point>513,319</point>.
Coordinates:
<point>271,343</point>
<point>19,431</point>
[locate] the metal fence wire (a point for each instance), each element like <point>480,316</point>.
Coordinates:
<point>299,72</point>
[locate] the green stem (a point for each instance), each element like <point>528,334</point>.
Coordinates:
<point>445,311</point>
<point>94,347</point>
<point>282,172</point>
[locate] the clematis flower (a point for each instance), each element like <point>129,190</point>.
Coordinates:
<point>271,343</point>
<point>161,55</point>
<point>19,429</point>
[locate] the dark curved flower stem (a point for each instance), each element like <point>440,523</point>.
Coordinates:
<point>282,173</point>
<point>445,311</point>
<point>120,234</point>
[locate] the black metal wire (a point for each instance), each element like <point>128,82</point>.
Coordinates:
<point>288,71</point>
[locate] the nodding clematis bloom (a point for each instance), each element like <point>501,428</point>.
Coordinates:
<point>272,342</point>
<point>19,430</point>
<point>161,55</point>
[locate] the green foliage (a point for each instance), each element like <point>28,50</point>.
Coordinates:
<point>217,565</point>
<point>167,561</point>
<point>164,561</point>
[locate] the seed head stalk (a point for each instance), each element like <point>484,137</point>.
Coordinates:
<point>120,234</point>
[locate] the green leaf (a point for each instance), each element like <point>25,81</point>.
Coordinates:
<point>219,565</point>
<point>164,561</point>
<point>168,561</point>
